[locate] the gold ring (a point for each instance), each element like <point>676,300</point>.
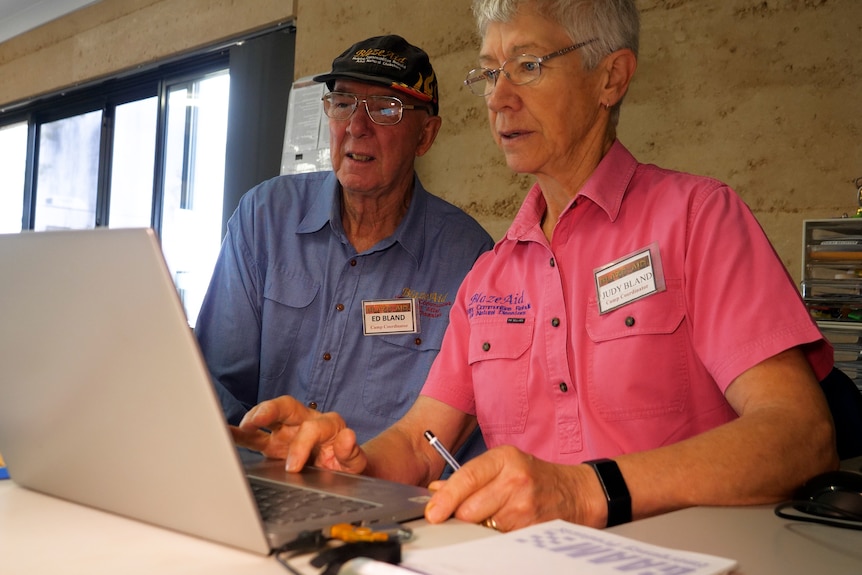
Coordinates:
<point>490,522</point>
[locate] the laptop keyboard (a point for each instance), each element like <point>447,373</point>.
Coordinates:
<point>284,504</point>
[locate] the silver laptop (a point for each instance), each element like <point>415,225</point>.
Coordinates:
<point>105,399</point>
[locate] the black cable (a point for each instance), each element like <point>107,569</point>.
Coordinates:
<point>305,542</point>
<point>283,560</point>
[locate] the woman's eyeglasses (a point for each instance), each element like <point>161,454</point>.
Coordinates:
<point>519,70</point>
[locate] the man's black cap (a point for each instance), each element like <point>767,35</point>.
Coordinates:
<point>390,61</point>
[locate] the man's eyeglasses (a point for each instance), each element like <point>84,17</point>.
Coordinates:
<point>383,110</point>
<point>519,70</point>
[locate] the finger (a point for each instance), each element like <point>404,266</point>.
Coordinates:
<point>253,439</point>
<point>347,453</point>
<point>462,492</point>
<point>283,410</point>
<point>311,434</point>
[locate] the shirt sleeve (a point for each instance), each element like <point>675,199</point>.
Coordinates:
<point>228,326</point>
<point>450,378</point>
<point>744,306</point>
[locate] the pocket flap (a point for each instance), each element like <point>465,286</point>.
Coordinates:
<point>499,338</point>
<point>408,341</point>
<point>659,313</point>
<point>296,290</point>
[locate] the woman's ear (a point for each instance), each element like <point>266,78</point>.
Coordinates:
<point>620,67</point>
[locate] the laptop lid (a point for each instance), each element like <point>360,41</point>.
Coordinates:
<point>106,401</point>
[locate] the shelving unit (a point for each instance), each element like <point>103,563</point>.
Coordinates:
<point>832,286</point>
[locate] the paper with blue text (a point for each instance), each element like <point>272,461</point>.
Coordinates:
<point>562,547</point>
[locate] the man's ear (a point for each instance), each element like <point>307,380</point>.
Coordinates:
<point>620,67</point>
<point>430,128</point>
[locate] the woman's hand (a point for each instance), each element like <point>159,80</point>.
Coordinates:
<point>509,489</point>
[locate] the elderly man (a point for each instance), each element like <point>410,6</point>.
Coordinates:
<point>335,287</point>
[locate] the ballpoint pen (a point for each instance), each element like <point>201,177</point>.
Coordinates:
<point>435,443</point>
<point>432,439</point>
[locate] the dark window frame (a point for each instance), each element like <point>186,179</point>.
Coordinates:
<point>105,96</point>
<point>154,81</point>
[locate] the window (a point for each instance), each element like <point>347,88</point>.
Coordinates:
<point>172,147</point>
<point>68,170</point>
<point>95,162</point>
<point>132,164</point>
<point>13,150</point>
<point>194,184</point>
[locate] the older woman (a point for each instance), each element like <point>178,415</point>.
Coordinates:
<point>618,348</point>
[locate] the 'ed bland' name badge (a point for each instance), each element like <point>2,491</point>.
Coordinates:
<point>388,316</point>
<point>629,278</point>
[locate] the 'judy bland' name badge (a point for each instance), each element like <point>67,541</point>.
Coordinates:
<point>388,316</point>
<point>629,278</point>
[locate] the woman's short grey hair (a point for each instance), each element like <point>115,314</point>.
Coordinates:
<point>615,24</point>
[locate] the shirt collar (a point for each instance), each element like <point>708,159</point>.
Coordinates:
<point>410,233</point>
<point>412,229</point>
<point>608,183</point>
<point>319,214</point>
<point>605,187</point>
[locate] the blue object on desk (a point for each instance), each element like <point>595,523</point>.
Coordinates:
<point>4,473</point>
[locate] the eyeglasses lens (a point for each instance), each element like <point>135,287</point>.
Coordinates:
<point>383,110</point>
<point>522,70</point>
<point>481,81</point>
<point>519,70</point>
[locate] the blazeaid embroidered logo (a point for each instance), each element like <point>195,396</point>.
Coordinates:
<point>431,304</point>
<point>381,58</point>
<point>432,296</point>
<point>482,304</point>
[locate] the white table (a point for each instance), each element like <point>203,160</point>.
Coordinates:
<point>44,535</point>
<point>762,543</point>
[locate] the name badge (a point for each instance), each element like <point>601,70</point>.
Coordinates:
<point>388,316</point>
<point>629,278</point>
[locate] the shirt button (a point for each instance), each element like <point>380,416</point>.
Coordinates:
<point>339,307</point>
<point>352,263</point>
<point>326,356</point>
<point>555,322</point>
<point>418,341</point>
<point>630,321</point>
<point>486,346</point>
<point>563,387</point>
<point>312,404</point>
<point>553,263</point>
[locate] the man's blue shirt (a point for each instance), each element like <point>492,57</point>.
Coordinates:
<point>283,313</point>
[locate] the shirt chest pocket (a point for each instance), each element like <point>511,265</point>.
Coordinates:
<point>285,314</point>
<point>395,372</point>
<point>639,356</point>
<point>500,365</point>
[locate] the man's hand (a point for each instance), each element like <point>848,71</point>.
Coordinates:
<point>283,428</point>
<point>271,426</point>
<point>515,490</point>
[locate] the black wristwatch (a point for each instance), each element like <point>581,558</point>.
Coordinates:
<point>616,492</point>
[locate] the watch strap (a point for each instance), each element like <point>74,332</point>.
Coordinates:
<point>616,491</point>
